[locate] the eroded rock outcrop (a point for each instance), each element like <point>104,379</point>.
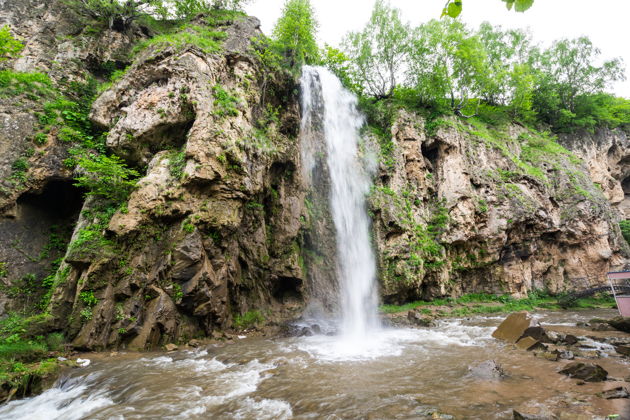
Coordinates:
<point>468,208</point>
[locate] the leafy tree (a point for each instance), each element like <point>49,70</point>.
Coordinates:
<point>9,46</point>
<point>187,9</point>
<point>295,33</point>
<point>118,14</point>
<point>565,76</point>
<point>339,63</point>
<point>378,52</point>
<point>448,65</point>
<point>453,8</point>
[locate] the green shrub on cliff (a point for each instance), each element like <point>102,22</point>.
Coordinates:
<point>106,176</point>
<point>624,225</point>
<point>9,46</point>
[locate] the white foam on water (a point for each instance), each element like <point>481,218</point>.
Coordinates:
<point>392,342</point>
<point>590,344</point>
<point>67,403</point>
<point>242,381</point>
<point>201,365</point>
<point>264,410</point>
<point>157,361</point>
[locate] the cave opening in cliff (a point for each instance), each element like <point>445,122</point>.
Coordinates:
<point>39,229</point>
<point>287,289</point>
<point>625,185</point>
<point>431,155</point>
<point>59,200</point>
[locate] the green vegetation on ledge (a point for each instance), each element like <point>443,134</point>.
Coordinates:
<point>480,303</point>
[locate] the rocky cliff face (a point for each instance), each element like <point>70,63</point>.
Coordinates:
<point>222,225</point>
<point>468,208</point>
<point>213,228</point>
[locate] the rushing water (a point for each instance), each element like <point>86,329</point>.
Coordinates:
<point>323,94</point>
<point>423,371</point>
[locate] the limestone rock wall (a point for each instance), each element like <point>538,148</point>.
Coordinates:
<point>466,210</point>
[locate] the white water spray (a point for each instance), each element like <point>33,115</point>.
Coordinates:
<point>341,121</point>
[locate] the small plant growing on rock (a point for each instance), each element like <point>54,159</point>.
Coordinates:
<point>248,319</point>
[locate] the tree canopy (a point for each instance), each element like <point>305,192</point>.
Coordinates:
<point>453,8</point>
<point>295,33</point>
<point>448,67</point>
<point>377,52</point>
<point>119,14</point>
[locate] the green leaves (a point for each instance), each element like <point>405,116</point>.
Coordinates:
<point>453,8</point>
<point>9,46</point>
<point>377,53</point>
<point>295,33</point>
<point>519,5</point>
<point>107,177</point>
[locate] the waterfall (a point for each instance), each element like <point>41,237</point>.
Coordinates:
<point>328,104</point>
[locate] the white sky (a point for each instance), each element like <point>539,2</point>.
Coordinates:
<point>605,22</point>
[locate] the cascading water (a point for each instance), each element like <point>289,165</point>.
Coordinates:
<point>324,99</point>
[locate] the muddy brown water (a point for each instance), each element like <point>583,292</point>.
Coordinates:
<point>398,374</point>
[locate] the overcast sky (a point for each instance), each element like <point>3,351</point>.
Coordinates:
<point>606,22</point>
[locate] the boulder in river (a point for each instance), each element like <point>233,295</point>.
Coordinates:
<point>487,370</point>
<point>619,392</point>
<point>620,323</point>
<point>588,372</point>
<point>420,319</point>
<point>170,347</point>
<point>513,328</point>
<point>623,349</point>
<point>529,343</point>
<point>524,416</point>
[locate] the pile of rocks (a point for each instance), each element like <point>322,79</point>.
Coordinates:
<point>526,333</point>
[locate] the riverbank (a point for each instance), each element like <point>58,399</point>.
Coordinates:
<point>483,304</point>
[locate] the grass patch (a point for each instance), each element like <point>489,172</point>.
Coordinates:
<point>248,319</point>
<point>33,85</point>
<point>207,40</point>
<point>481,303</point>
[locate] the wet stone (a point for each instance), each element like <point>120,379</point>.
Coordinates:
<point>615,393</point>
<point>514,326</point>
<point>516,415</point>
<point>588,372</point>
<point>547,355</point>
<point>570,339</point>
<point>170,347</point>
<point>529,343</point>
<point>624,350</point>
<point>419,319</point>
<point>194,343</point>
<point>620,323</point>
<point>487,370</point>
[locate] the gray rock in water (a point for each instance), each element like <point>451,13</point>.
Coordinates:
<point>487,370</point>
<point>570,339</point>
<point>623,350</point>
<point>619,392</point>
<point>620,323</point>
<point>588,372</point>
<point>170,347</point>
<point>419,319</point>
<point>523,416</point>
<point>194,343</point>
